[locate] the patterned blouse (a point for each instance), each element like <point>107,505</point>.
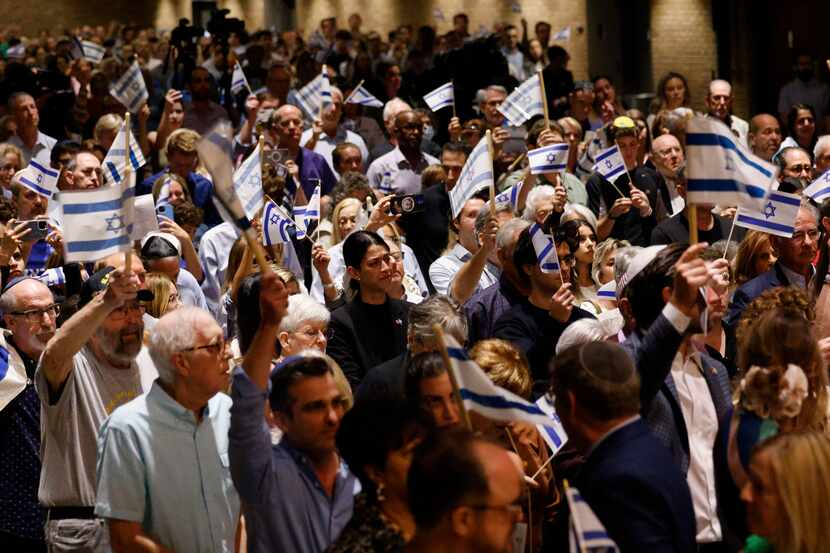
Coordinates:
<point>369,531</point>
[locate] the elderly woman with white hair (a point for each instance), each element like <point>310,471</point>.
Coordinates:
<point>543,200</point>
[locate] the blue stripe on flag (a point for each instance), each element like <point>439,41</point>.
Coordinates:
<point>764,224</point>
<point>606,294</point>
<point>553,435</point>
<point>98,245</point>
<point>500,402</point>
<point>80,209</point>
<point>550,168</point>
<point>722,185</point>
<point>4,362</point>
<point>594,535</point>
<point>608,153</point>
<point>614,173</point>
<point>42,169</point>
<point>711,139</point>
<point>116,176</point>
<point>820,194</point>
<point>35,186</point>
<point>784,199</point>
<point>457,353</point>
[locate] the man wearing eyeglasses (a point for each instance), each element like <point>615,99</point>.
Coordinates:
<point>163,470</point>
<point>92,365</point>
<point>83,172</point>
<point>29,313</point>
<point>795,164</point>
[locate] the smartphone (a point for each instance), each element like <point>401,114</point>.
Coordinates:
<point>166,210</point>
<point>38,230</point>
<point>407,203</point>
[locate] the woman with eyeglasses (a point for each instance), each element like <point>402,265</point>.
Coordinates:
<point>371,327</point>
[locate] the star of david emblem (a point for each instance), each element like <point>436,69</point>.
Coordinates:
<point>769,210</point>
<point>275,219</point>
<point>134,85</point>
<point>40,178</point>
<point>114,223</point>
<point>255,180</point>
<point>608,164</point>
<point>551,157</point>
<point>526,100</point>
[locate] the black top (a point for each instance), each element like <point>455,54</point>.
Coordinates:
<point>363,335</point>
<point>427,232</point>
<point>676,229</point>
<point>533,331</point>
<point>628,226</point>
<point>385,381</point>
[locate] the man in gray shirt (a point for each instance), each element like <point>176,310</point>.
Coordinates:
<point>93,364</point>
<point>32,142</point>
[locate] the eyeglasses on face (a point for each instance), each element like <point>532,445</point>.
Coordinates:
<point>36,315</point>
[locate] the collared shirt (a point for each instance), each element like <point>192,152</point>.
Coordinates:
<point>313,168</point>
<point>443,270</point>
<point>485,307</point>
<point>392,174</point>
<point>796,279</point>
<point>326,144</point>
<point>40,152</point>
<point>604,437</point>
<point>515,63</point>
<point>701,420</point>
<point>160,467</point>
<point>278,482</point>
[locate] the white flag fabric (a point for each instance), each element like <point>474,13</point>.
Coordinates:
<point>554,434</point>
<point>777,216</point>
<point>363,97</point>
<point>247,180</point>
<point>563,34</point>
<point>479,393</point>
<point>511,195</point>
<point>587,534</point>
<point>315,94</point>
<point>610,164</point>
<point>305,215</point>
<point>98,223</point>
<point>819,190</point>
<point>277,226</point>
<point>548,159</point>
<point>608,291</point>
<point>93,52</point>
<point>115,163</point>
<point>476,174</point>
<point>52,277</point>
<point>721,170</point>
<point>39,178</point>
<point>130,89</point>
<point>524,102</point>
<point>441,97</point>
<point>13,377</point>
<point>238,80</point>
<point>545,248</point>
<point>164,192</point>
<point>16,52</point>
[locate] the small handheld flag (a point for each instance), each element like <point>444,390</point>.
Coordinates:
<point>130,89</point>
<point>587,534</point>
<point>39,178</point>
<point>441,97</point>
<point>564,34</point>
<point>277,226</point>
<point>52,277</point>
<point>545,248</point>
<point>511,196</point>
<point>307,214</point>
<point>363,97</point>
<point>721,170</point>
<point>12,373</point>
<point>777,217</point>
<point>548,159</point>
<point>247,181</point>
<point>115,163</point>
<point>610,164</point>
<point>93,52</point>
<point>524,102</point>
<point>476,174</point>
<point>819,190</point>
<point>316,94</point>
<point>238,80</point>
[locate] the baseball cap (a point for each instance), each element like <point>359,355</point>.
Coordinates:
<point>98,282</point>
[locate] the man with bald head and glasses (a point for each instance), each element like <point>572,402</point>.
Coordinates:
<point>93,364</point>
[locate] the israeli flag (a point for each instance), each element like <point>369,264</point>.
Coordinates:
<point>164,193</point>
<point>238,80</point>
<point>315,94</point>
<point>12,372</point>
<point>247,181</point>
<point>479,394</point>
<point>564,34</point>
<point>548,159</point>
<point>16,52</point>
<point>608,291</point>
<point>554,434</point>
<point>115,163</point>
<point>545,248</point>
<point>587,534</point>
<point>777,217</point>
<point>98,223</point>
<point>610,164</point>
<point>511,196</point>
<point>93,52</point>
<point>52,277</point>
<point>277,226</point>
<point>441,97</point>
<point>39,178</point>
<point>721,170</point>
<point>438,14</point>
<point>130,89</point>
<point>305,215</point>
<point>363,97</point>
<point>819,190</point>
<point>476,174</point>
<point>524,102</point>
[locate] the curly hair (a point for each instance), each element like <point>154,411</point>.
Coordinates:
<point>504,364</point>
<point>789,299</point>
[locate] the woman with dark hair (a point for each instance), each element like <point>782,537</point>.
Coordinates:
<point>371,328</point>
<point>606,101</point>
<point>582,239</point>
<point>672,92</point>
<point>376,439</point>
<point>801,124</point>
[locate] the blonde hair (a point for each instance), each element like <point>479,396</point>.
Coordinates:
<point>159,285</point>
<point>504,364</point>
<point>182,140</point>
<point>6,149</point>
<point>748,250</point>
<point>108,122</point>
<point>800,465</point>
<point>336,238</point>
<point>340,379</point>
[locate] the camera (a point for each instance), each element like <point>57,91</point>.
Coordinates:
<point>407,203</point>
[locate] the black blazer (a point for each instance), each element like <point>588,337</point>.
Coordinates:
<point>638,493</point>
<point>362,336</point>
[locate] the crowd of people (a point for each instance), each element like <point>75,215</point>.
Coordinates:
<point>183,397</point>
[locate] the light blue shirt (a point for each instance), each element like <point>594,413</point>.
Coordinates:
<point>325,144</point>
<point>190,293</point>
<point>160,467</point>
<point>443,270</point>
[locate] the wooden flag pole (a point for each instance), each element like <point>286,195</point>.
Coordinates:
<point>544,99</point>
<point>128,256</point>
<point>353,92</point>
<point>630,180</point>
<point>452,83</point>
<point>489,138</point>
<point>731,230</point>
<point>691,214</point>
<point>456,392</point>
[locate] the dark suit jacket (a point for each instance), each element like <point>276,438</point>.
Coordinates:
<point>362,336</point>
<point>638,494</point>
<point>386,381</point>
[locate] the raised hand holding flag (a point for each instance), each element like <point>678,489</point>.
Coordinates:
<point>441,97</point>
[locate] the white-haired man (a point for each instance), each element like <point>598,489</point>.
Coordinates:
<point>821,154</point>
<point>327,132</point>
<point>719,105</point>
<point>163,472</point>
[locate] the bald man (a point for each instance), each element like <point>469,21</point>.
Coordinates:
<point>669,159</point>
<point>764,135</point>
<point>719,106</point>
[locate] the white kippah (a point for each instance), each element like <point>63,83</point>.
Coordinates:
<point>636,265</point>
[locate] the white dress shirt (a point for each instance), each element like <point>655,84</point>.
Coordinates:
<point>443,270</point>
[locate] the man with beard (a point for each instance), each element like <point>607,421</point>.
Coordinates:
<point>29,313</point>
<point>202,113</point>
<point>399,171</point>
<point>92,365</point>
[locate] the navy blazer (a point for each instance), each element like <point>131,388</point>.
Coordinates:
<point>750,290</point>
<point>638,494</point>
